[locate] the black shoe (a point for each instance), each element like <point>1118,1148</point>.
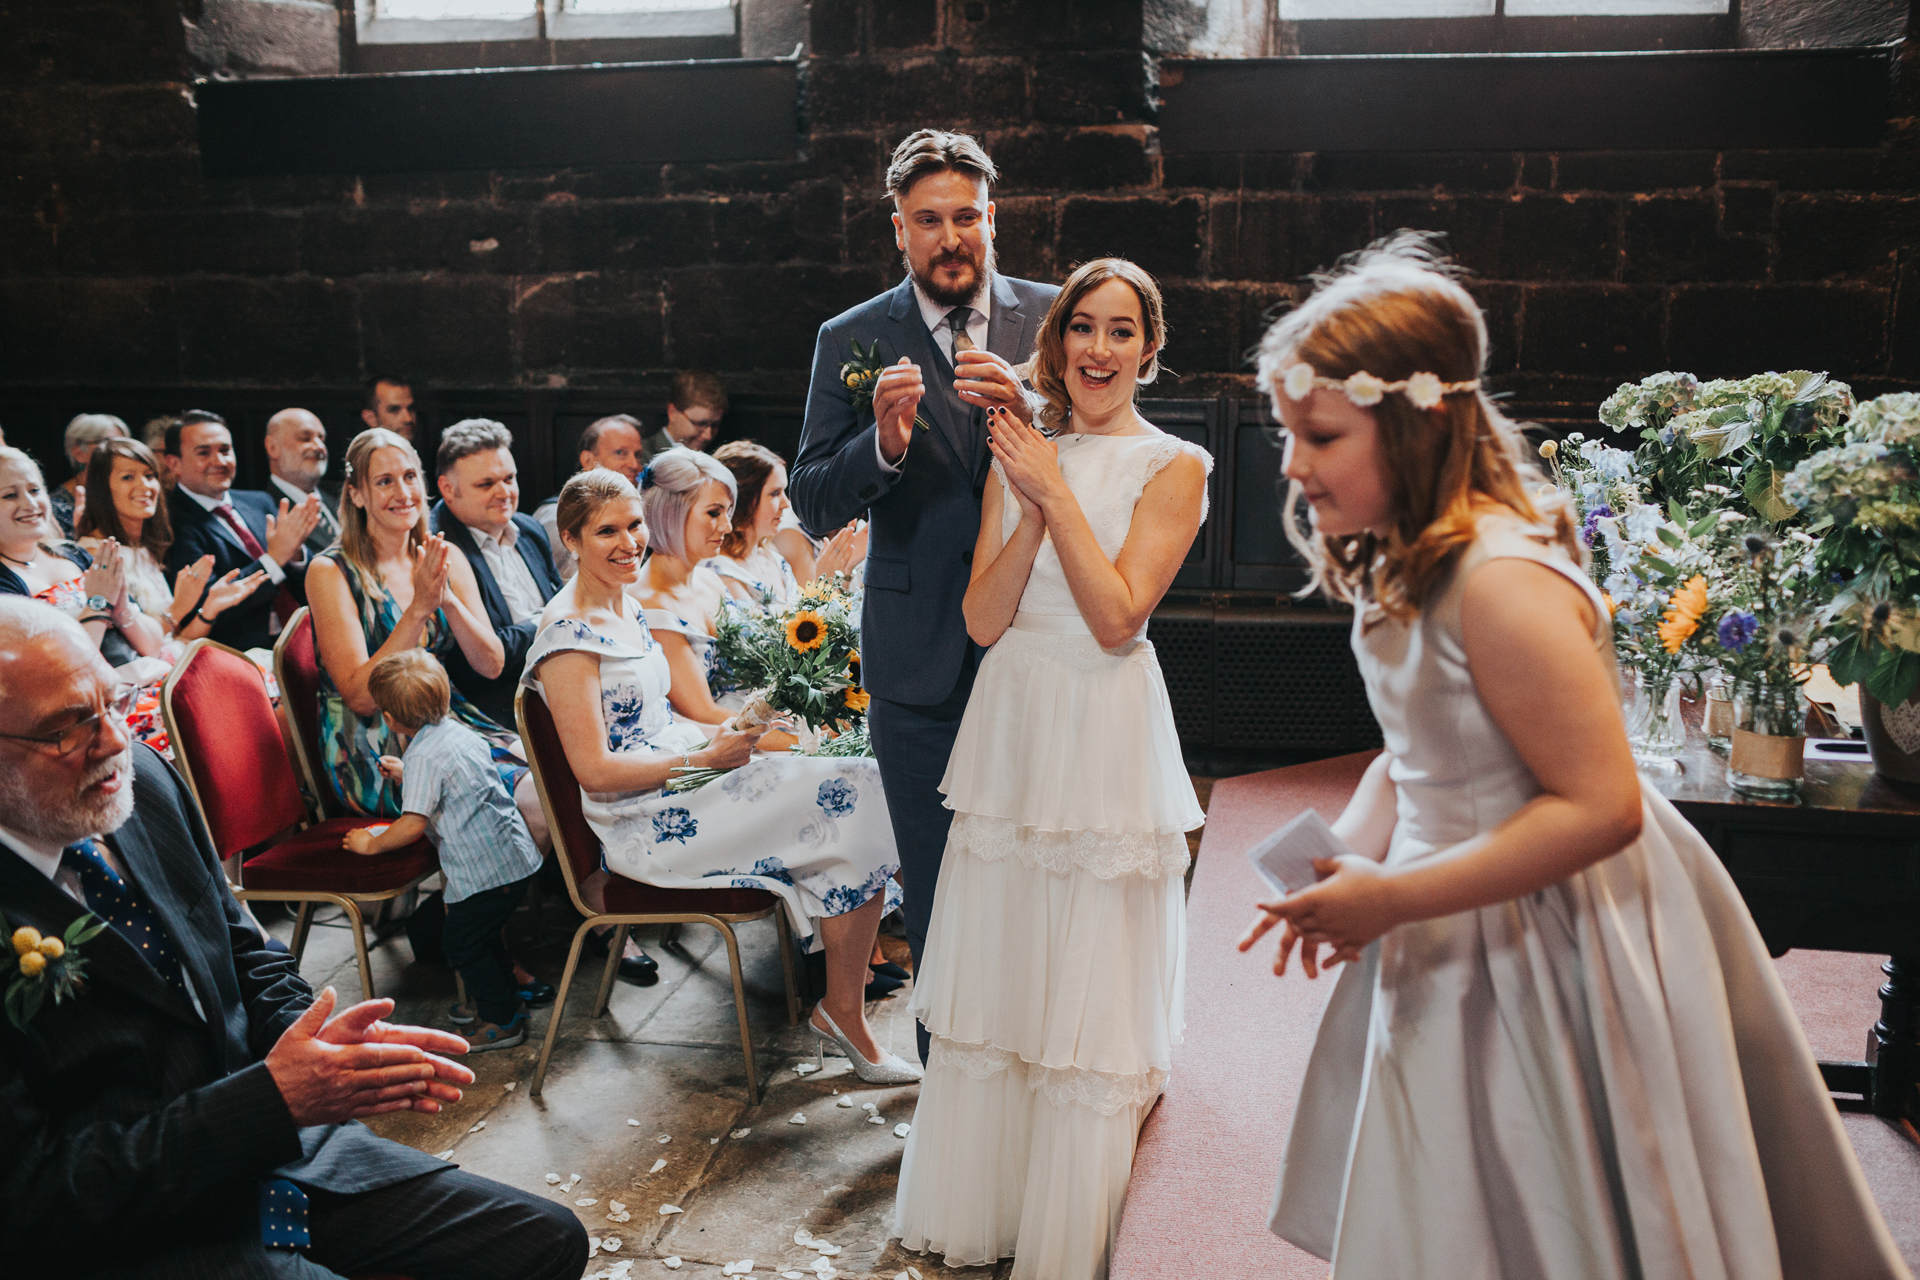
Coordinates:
<point>891,970</point>
<point>882,986</point>
<point>641,970</point>
<point>537,994</point>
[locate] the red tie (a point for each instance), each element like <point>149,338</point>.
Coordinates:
<point>226,512</point>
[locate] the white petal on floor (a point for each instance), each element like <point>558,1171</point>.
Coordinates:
<point>611,1244</point>
<point>913,1274</point>
<point>825,1249</point>
<point>876,1118</point>
<point>793,1275</point>
<point>633,1123</point>
<point>902,1130</point>
<point>553,1179</point>
<point>870,1108</point>
<point>511,1085</point>
<point>740,1133</point>
<point>658,1165</point>
<point>593,1245</point>
<point>713,1142</point>
<point>802,1237</point>
<point>664,1139</point>
<point>445,1155</point>
<point>666,1209</point>
<point>798,1117</point>
<point>671,1264</point>
<point>478,1127</point>
<point>805,1068</point>
<point>741,1268</point>
<point>586,1202</point>
<point>615,1206</point>
<point>846,1100</point>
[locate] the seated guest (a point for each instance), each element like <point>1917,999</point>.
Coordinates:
<point>811,830</point>
<point>810,557</point>
<point>451,793</point>
<point>297,468</point>
<point>612,442</point>
<point>390,586</point>
<point>154,436</point>
<point>83,433</point>
<point>512,562</point>
<point>695,406</point>
<point>239,528</point>
<point>197,1096</point>
<point>35,561</point>
<point>754,569</point>
<point>389,406</point>
<point>128,512</point>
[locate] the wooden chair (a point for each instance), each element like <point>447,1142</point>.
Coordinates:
<point>629,902</point>
<point>227,745</point>
<point>296,668</point>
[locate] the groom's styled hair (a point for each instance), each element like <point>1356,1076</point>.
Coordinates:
<point>930,151</point>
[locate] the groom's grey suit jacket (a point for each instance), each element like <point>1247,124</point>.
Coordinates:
<point>926,518</point>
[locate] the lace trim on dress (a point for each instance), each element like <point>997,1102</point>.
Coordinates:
<point>1105,855</point>
<point>1102,1092</point>
<point>1166,451</point>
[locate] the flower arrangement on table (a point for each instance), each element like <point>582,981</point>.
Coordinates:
<point>1863,499</point>
<point>804,663</point>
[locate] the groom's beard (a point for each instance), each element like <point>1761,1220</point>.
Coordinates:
<point>958,297</point>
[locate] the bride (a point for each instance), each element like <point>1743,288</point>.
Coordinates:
<point>1051,982</point>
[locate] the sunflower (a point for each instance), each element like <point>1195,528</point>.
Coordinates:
<point>1682,618</point>
<point>806,631</point>
<point>858,700</point>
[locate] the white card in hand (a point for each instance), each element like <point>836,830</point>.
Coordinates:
<point>1285,858</point>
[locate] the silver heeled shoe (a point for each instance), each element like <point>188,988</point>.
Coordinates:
<point>891,1069</point>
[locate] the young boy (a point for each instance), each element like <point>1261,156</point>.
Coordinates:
<point>451,793</point>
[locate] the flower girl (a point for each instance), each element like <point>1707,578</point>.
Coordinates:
<point>1558,1047</point>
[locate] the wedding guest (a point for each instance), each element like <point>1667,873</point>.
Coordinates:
<point>196,1080</point>
<point>83,434</point>
<point>810,557</point>
<point>296,443</point>
<point>451,793</point>
<point>512,562</point>
<point>1558,1046</point>
<point>612,442</point>
<point>696,403</point>
<point>391,585</point>
<point>154,436</point>
<point>949,335</point>
<point>810,830</point>
<point>129,514</point>
<point>752,569</point>
<point>389,406</point>
<point>239,528</point>
<point>35,561</point>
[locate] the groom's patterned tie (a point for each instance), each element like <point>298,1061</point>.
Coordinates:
<point>957,322</point>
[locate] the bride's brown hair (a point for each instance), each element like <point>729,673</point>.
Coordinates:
<point>1394,309</point>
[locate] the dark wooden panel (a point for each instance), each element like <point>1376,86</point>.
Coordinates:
<point>635,113</point>
<point>1712,100</point>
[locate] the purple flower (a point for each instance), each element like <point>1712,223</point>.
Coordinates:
<point>1737,630</point>
<point>1590,528</point>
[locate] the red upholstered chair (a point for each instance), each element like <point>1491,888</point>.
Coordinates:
<point>628,902</point>
<point>296,668</point>
<point>227,744</point>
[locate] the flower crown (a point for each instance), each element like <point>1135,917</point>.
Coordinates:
<point>1422,390</point>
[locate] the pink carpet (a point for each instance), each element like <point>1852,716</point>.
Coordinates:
<point>1203,1178</point>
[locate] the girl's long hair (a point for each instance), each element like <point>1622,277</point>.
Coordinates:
<point>1393,309</point>
<point>752,465</point>
<point>1047,370</point>
<point>356,542</point>
<point>102,520</point>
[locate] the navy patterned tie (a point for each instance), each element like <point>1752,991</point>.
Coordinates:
<point>116,901</point>
<point>283,1216</point>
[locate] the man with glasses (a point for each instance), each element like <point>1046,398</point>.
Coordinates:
<point>193,1091</point>
<point>694,408</point>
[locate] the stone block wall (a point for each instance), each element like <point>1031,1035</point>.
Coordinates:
<point>122,267</point>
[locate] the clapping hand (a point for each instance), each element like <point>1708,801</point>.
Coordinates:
<point>230,590</point>
<point>896,402</point>
<point>983,378</point>
<point>108,576</point>
<point>431,566</point>
<point>287,533</point>
<point>333,1069</point>
<point>845,550</point>
<point>1029,461</point>
<point>1346,909</point>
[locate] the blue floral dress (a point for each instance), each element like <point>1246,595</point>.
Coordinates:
<point>813,830</point>
<point>725,691</point>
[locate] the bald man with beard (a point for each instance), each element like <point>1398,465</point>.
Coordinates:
<point>297,458</point>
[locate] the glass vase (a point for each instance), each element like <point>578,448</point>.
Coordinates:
<point>1718,721</point>
<point>1663,734</point>
<point>1766,756</point>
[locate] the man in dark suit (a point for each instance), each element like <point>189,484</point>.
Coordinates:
<point>296,443</point>
<point>949,335</point>
<point>479,512</point>
<point>189,1110</point>
<point>239,528</point>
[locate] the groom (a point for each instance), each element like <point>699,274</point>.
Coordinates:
<point>949,335</point>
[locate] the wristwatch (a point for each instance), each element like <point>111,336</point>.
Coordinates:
<point>99,604</point>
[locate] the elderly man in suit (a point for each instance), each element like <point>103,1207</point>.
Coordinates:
<point>239,528</point>
<point>612,442</point>
<point>479,512</point>
<point>296,443</point>
<point>949,335</point>
<point>189,1110</point>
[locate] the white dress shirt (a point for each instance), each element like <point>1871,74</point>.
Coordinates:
<point>211,505</point>
<point>510,571</point>
<point>935,316</point>
<point>293,493</point>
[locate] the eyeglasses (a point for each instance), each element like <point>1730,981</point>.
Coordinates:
<point>84,732</point>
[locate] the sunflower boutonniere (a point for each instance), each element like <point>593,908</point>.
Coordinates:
<point>861,373</point>
<point>47,964</point>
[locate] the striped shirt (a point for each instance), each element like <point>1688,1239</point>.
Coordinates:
<point>450,780</point>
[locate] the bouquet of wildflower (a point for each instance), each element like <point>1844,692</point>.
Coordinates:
<point>1598,480</point>
<point>1864,498</point>
<point>861,372</point>
<point>1760,624</point>
<point>1658,586</point>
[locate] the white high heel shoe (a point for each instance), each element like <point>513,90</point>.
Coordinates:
<point>890,1069</point>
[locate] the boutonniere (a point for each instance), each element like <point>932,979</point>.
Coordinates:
<point>45,965</point>
<point>861,373</point>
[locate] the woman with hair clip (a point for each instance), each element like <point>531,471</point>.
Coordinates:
<point>1558,1046</point>
<point>1051,980</point>
<point>814,831</point>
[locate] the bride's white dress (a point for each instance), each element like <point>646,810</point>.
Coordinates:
<point>1602,1079</point>
<point>1051,980</point>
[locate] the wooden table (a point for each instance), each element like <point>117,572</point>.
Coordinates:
<point>1839,871</point>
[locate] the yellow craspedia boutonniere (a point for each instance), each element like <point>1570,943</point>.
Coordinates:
<point>861,373</point>
<point>1682,617</point>
<point>47,964</point>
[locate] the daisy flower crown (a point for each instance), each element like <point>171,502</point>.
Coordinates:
<point>1423,390</point>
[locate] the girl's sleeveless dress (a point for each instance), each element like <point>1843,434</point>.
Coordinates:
<point>1600,1079</point>
<point>814,831</point>
<point>1052,976</point>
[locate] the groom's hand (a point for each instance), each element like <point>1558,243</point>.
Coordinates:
<point>985,379</point>
<point>896,399</point>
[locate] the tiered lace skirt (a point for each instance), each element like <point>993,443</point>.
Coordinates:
<point>1051,981</point>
